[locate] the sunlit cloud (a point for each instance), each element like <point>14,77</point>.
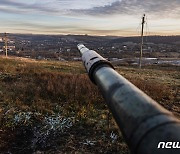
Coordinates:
<point>102,17</point>
<point>135,7</point>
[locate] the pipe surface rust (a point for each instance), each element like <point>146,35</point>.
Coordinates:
<point>143,122</point>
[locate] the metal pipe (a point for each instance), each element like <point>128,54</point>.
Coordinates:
<point>143,122</point>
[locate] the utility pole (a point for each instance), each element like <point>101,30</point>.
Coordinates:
<point>142,31</point>
<point>5,35</point>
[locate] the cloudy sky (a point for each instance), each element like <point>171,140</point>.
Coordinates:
<point>94,17</point>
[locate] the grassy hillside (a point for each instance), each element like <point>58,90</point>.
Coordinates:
<point>53,107</point>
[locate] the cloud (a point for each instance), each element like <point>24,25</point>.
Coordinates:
<point>157,8</point>
<point>9,6</point>
<point>135,7</point>
<point>87,16</point>
<point>51,7</point>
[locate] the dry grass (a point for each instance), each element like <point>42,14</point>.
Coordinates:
<point>161,83</point>
<point>34,91</point>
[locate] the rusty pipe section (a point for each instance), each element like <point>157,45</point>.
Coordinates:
<point>143,122</point>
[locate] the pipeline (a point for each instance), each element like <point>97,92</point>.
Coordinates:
<point>143,122</point>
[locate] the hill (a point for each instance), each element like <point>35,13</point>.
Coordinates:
<point>52,107</point>
<point>153,39</point>
<point>157,39</point>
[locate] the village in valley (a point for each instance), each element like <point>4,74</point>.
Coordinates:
<point>121,50</point>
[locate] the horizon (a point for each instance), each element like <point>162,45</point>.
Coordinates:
<point>2,35</point>
<point>103,18</point>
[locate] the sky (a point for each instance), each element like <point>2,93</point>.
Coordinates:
<point>92,17</point>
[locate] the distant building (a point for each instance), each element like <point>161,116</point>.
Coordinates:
<point>129,43</point>
<point>113,59</point>
<point>61,59</point>
<point>77,58</point>
<point>40,57</point>
<point>10,48</point>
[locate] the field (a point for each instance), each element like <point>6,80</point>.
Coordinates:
<point>52,107</point>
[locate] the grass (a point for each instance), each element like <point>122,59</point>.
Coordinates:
<point>52,107</point>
